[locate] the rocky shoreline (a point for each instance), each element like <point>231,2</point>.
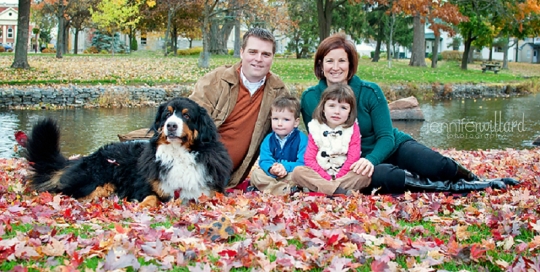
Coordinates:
<point>75,96</point>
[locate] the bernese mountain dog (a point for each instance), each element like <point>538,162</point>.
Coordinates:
<point>184,158</point>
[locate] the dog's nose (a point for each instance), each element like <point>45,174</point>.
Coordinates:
<point>172,126</point>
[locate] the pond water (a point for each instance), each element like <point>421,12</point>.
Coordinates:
<point>469,124</point>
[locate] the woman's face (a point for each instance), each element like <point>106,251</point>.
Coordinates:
<point>336,66</point>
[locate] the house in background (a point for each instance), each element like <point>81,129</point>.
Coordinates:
<point>8,23</point>
<point>528,52</point>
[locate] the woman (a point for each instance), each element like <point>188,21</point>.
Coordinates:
<point>393,159</point>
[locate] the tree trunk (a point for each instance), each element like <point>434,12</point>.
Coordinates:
<point>76,42</point>
<point>377,53</point>
<point>517,50</point>
<point>169,18</point>
<point>60,34</point>
<point>66,37</point>
<point>21,48</point>
<point>418,56</point>
<point>237,39</point>
<point>490,57</point>
<point>389,42</point>
<point>204,57</point>
<point>174,40</point>
<point>324,14</point>
<point>435,51</point>
<point>465,58</point>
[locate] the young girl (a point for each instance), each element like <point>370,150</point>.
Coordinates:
<point>333,146</point>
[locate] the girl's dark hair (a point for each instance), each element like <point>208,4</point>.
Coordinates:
<point>343,94</point>
<point>336,41</point>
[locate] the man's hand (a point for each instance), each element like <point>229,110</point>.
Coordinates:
<point>363,167</point>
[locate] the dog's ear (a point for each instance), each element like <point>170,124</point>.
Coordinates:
<point>157,125</point>
<point>207,131</point>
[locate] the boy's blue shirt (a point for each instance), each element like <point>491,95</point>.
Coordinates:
<point>266,160</point>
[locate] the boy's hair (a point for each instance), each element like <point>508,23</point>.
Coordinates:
<point>287,102</point>
<point>260,33</point>
<point>343,94</point>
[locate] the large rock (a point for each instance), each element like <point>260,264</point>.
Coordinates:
<point>406,109</point>
<point>537,141</point>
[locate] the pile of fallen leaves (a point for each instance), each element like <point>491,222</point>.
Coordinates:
<point>483,231</point>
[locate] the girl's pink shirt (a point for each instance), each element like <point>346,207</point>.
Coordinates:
<point>353,155</point>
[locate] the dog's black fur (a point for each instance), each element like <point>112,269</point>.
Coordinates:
<point>183,156</point>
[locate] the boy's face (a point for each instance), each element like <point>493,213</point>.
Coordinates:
<point>283,122</point>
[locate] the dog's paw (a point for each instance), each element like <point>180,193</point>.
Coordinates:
<point>149,202</point>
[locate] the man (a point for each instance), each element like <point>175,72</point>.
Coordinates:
<point>239,98</point>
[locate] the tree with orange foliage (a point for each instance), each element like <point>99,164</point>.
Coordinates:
<point>440,14</point>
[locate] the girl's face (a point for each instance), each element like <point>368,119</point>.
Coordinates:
<point>336,66</point>
<point>336,113</point>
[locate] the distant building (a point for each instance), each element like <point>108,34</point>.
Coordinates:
<point>528,52</point>
<point>8,23</point>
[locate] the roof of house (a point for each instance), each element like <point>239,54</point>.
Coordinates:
<point>532,45</point>
<point>430,36</point>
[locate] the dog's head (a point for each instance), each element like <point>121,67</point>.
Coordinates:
<point>183,121</point>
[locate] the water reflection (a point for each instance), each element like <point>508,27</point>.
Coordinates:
<point>82,130</point>
<point>449,124</point>
<point>490,123</point>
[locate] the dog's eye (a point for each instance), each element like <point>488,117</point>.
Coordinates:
<point>168,114</point>
<point>186,116</point>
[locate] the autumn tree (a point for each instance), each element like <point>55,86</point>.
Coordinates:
<point>57,8</point>
<point>21,48</point>
<point>78,16</point>
<point>302,32</point>
<point>325,9</point>
<point>516,20</point>
<point>113,16</point>
<point>477,28</point>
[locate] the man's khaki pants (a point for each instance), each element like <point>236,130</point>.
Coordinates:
<point>268,184</point>
<point>306,177</point>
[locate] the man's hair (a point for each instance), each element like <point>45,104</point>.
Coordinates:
<point>287,102</point>
<point>343,94</point>
<point>336,41</point>
<point>260,33</point>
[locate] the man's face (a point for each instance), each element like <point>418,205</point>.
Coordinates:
<point>257,58</point>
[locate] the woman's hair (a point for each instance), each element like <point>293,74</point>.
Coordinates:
<point>343,94</point>
<point>336,41</point>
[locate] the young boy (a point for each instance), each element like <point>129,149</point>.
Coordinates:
<point>281,150</point>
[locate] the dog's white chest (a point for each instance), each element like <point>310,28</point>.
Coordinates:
<point>181,172</point>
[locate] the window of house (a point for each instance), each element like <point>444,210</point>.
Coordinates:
<point>143,40</point>
<point>498,49</point>
<point>10,32</point>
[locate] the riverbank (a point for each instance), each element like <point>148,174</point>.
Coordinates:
<point>115,96</point>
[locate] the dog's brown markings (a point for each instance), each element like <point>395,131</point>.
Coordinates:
<point>100,191</point>
<point>162,140</point>
<point>170,109</point>
<point>51,185</point>
<point>157,189</point>
<point>189,135</point>
<point>150,201</point>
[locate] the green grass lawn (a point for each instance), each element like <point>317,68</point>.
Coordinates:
<point>153,68</point>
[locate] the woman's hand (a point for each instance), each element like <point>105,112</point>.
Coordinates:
<point>363,167</point>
